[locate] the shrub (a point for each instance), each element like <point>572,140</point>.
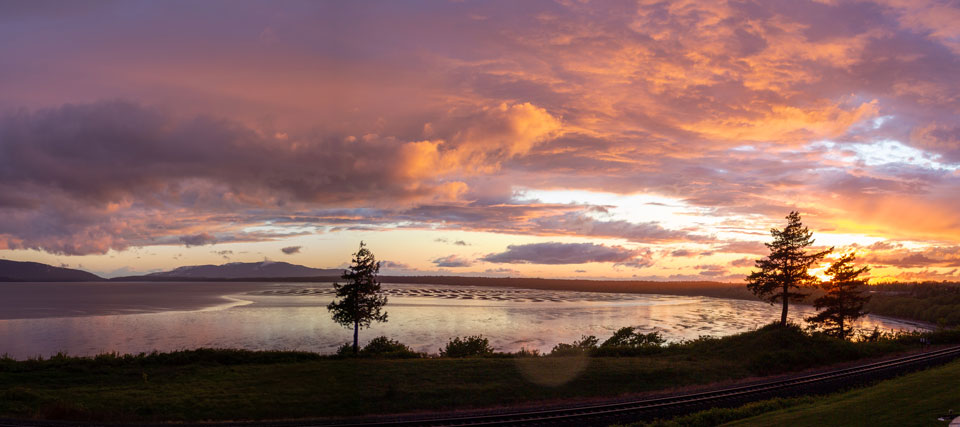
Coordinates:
<point>385,347</point>
<point>345,350</point>
<point>586,344</point>
<point>475,345</point>
<point>524,352</point>
<point>629,337</point>
<point>629,342</point>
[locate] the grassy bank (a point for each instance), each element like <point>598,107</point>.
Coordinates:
<point>231,384</point>
<point>916,399</point>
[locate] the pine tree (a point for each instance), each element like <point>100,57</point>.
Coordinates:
<point>785,270</point>
<point>844,300</point>
<point>358,303</point>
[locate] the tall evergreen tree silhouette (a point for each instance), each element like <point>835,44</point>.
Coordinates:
<point>784,271</point>
<point>359,302</point>
<point>844,300</point>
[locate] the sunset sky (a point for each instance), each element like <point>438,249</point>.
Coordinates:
<point>572,139</point>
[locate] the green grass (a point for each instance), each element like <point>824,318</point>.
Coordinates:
<point>911,400</point>
<point>327,387</point>
<point>241,385</point>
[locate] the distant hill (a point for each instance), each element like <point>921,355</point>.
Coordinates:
<point>17,271</point>
<point>242,270</point>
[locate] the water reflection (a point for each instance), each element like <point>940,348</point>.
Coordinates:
<point>294,317</point>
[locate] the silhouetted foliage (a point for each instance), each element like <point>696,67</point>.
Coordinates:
<point>346,350</point>
<point>844,298</point>
<point>475,345</point>
<point>359,302</point>
<point>629,337</point>
<point>380,347</point>
<point>585,344</point>
<point>525,352</point>
<point>785,269</point>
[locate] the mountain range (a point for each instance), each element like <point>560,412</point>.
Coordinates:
<point>245,270</point>
<point>16,271</point>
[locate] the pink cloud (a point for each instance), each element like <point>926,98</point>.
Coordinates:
<point>429,117</point>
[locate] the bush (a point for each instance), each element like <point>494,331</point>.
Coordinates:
<point>475,345</point>
<point>385,347</point>
<point>586,344</point>
<point>382,347</point>
<point>524,352</point>
<point>345,350</point>
<point>629,337</point>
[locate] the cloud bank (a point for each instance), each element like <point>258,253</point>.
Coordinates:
<point>437,116</point>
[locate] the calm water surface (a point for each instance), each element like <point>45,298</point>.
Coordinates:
<point>90,318</point>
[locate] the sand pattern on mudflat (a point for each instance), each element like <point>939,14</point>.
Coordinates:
<point>481,294</point>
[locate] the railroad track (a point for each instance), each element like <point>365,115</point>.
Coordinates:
<point>645,409</point>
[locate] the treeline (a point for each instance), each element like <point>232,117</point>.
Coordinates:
<point>932,302</point>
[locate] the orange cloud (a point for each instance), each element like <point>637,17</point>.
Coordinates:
<point>432,118</point>
<point>787,124</point>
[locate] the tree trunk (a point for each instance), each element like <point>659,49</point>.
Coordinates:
<point>840,303</point>
<point>783,314</point>
<point>356,334</point>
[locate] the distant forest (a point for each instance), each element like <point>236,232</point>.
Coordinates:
<point>932,302</point>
